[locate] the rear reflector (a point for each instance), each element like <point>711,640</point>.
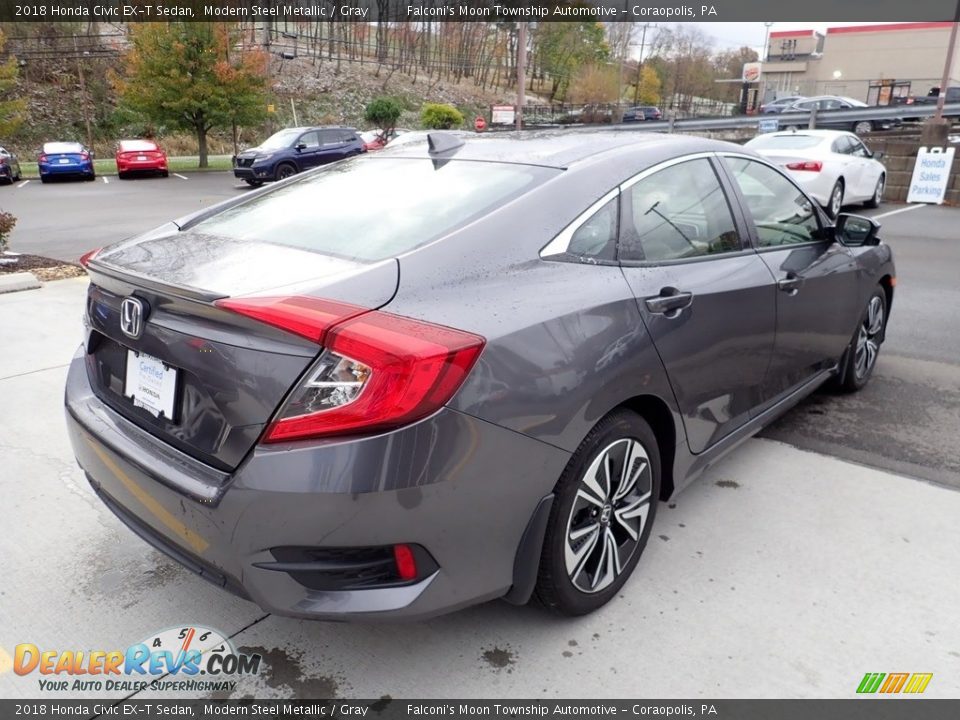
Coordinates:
<point>809,165</point>
<point>406,563</point>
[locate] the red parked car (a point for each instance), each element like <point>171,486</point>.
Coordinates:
<point>136,156</point>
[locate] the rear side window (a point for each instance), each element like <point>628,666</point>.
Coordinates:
<point>368,209</point>
<point>597,237</point>
<point>677,213</point>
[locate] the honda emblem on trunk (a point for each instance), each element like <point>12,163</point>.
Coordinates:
<point>133,311</point>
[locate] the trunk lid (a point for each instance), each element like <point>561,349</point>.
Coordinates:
<point>218,376</point>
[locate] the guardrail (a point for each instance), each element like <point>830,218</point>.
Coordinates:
<point>784,120</point>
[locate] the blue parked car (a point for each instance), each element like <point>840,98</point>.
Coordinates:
<point>65,159</point>
<point>294,150</point>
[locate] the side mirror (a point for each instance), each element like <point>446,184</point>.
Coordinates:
<point>856,230</point>
<point>300,146</point>
<point>878,155</point>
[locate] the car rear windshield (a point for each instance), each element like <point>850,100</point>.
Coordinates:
<point>62,147</point>
<point>785,142</point>
<point>135,145</point>
<point>369,209</point>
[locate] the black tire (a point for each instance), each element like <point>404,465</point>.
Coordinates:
<point>122,175</point>
<point>44,180</point>
<point>164,173</point>
<point>254,183</point>
<point>91,177</point>
<point>877,198</point>
<point>569,591</point>
<point>835,203</point>
<point>284,170</point>
<point>858,368</point>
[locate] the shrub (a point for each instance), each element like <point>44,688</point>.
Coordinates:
<point>383,112</point>
<point>437,116</point>
<point>7,223</point>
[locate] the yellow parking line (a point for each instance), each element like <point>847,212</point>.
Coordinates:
<point>194,540</point>
<point>6,662</point>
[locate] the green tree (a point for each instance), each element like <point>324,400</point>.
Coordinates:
<point>11,110</point>
<point>562,48</point>
<point>188,75</point>
<point>438,116</point>
<point>383,112</point>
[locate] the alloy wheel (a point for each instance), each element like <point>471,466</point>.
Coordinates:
<point>836,200</point>
<point>868,343</point>
<point>608,515</point>
<point>285,171</point>
<point>878,193</point>
<point>862,127</point>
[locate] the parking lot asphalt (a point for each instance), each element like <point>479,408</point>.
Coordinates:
<point>65,219</point>
<point>780,573</point>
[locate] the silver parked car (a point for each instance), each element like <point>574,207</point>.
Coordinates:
<point>479,388</point>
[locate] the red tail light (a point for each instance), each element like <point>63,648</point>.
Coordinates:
<point>84,156</point>
<point>42,158</point>
<point>88,256</point>
<point>808,165</point>
<point>377,371</point>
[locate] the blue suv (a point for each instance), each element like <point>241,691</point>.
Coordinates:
<point>294,150</point>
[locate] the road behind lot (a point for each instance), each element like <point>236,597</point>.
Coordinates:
<point>780,573</point>
<point>907,421</point>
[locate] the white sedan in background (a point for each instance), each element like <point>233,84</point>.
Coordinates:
<point>834,167</point>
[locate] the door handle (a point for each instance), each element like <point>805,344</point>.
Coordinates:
<point>790,284</point>
<point>669,302</point>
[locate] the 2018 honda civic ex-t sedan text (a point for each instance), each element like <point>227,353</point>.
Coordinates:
<point>481,388</point>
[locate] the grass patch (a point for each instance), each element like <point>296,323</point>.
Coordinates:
<point>107,166</point>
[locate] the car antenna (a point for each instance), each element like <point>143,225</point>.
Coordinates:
<point>443,142</point>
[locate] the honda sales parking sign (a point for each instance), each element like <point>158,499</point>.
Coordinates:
<point>931,175</point>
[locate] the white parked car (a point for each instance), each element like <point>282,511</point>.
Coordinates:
<point>833,166</point>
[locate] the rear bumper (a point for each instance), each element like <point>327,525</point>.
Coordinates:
<point>460,487</point>
<point>145,166</point>
<point>48,169</point>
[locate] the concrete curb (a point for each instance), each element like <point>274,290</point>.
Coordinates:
<point>15,282</point>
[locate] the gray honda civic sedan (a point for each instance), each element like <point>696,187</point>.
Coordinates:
<point>463,369</point>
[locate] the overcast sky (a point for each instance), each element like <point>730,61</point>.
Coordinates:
<point>734,35</point>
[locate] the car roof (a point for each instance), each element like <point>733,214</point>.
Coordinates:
<point>554,148</point>
<point>812,133</point>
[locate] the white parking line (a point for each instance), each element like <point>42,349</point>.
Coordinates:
<point>23,183</point>
<point>901,210</point>
<point>105,181</point>
<point>182,177</point>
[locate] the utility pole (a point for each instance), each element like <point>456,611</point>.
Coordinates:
<point>935,131</point>
<point>83,91</point>
<point>521,73</point>
<point>643,42</point>
<point>945,81</point>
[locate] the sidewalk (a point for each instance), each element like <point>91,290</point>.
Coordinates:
<point>780,573</point>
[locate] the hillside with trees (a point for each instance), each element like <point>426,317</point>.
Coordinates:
<point>217,86</point>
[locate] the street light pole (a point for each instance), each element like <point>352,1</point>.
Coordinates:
<point>521,73</point>
<point>643,41</point>
<point>766,41</point>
